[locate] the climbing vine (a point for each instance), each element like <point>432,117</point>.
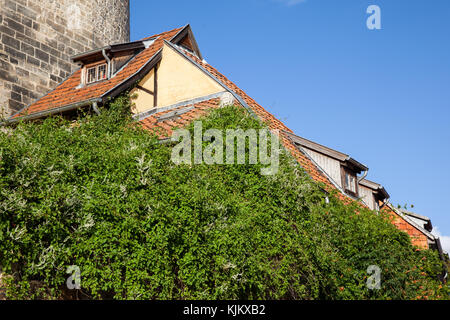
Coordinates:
<point>103,195</point>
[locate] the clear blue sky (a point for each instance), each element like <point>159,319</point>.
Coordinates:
<point>382,96</point>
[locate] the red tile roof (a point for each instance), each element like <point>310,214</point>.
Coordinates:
<point>67,93</point>
<point>163,129</point>
<point>418,238</point>
<point>272,122</point>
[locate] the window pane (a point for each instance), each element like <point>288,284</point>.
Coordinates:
<point>102,72</point>
<point>92,75</point>
<point>350,182</point>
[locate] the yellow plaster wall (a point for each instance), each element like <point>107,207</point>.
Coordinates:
<point>178,80</point>
<point>144,101</point>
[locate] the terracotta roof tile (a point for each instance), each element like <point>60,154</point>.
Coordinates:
<point>272,122</point>
<point>163,129</point>
<point>418,238</point>
<point>67,93</point>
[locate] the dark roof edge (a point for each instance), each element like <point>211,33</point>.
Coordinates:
<point>415,215</point>
<point>414,224</point>
<point>337,155</point>
<point>127,83</point>
<point>319,168</point>
<point>79,56</point>
<point>370,184</point>
<point>237,96</point>
<point>188,30</point>
<point>113,47</point>
<point>375,186</point>
<point>49,112</point>
<point>318,147</point>
<point>357,164</point>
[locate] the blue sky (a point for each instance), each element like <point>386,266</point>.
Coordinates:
<point>382,96</point>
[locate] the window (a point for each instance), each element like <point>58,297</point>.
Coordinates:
<point>96,73</point>
<point>376,206</point>
<point>91,75</point>
<point>102,72</point>
<point>350,182</point>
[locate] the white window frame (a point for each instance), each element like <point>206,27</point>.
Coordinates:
<point>97,73</point>
<point>350,182</point>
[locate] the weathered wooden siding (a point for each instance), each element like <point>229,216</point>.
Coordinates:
<point>367,196</point>
<point>331,166</point>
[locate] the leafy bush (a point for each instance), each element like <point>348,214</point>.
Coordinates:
<point>103,195</point>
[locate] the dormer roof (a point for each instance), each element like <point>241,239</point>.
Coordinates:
<point>337,155</point>
<point>375,187</point>
<point>97,54</point>
<point>70,95</point>
<point>425,222</point>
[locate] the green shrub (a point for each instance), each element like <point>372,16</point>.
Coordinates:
<point>105,196</point>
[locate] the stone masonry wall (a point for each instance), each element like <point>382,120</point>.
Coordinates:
<point>38,37</point>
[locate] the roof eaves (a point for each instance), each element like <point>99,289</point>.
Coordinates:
<point>384,192</point>
<point>370,184</point>
<point>318,147</point>
<point>113,48</point>
<point>47,93</point>
<point>415,215</point>
<point>375,186</point>
<point>79,56</point>
<point>48,112</point>
<point>300,148</point>
<point>127,46</point>
<point>357,164</point>
<point>328,151</point>
<point>414,224</point>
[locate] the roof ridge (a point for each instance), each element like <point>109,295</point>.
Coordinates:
<point>162,33</point>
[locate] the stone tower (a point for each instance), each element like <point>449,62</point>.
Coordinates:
<point>38,37</point>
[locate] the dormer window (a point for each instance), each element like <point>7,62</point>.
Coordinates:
<point>376,206</point>
<point>96,73</point>
<point>350,183</point>
<point>101,71</point>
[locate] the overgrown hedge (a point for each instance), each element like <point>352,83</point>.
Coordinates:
<point>104,195</point>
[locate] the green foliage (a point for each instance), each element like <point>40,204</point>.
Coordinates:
<point>105,196</point>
